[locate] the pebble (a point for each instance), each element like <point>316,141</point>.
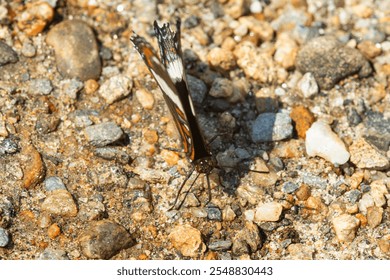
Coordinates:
<point>145,98</point>
<point>102,134</point>
<point>377,129</point>
<point>47,123</point>
<point>308,85</point>
<point>300,252</point>
<point>111,153</point>
<point>53,254</point>
<point>322,56</point>
<point>228,214</point>
<point>369,49</point>
<point>91,86</point>
<point>286,51</point>
<point>60,202</point>
<point>345,227</point>
<point>4,237</point>
<point>71,87</point>
<point>108,176</point>
<point>268,212</point>
<point>92,211</point>
<point>9,146</point>
<point>34,169</point>
<point>104,239</point>
<point>271,127</point>
<point>53,231</point>
<point>197,88</point>
<point>221,59</point>
<point>374,216</point>
<point>353,196</point>
<point>364,155</point>
<point>7,54</point>
<point>365,202</point>
<point>289,187</point>
<point>221,88</point>
<point>35,18</point>
<point>303,193</point>
<point>116,88</point>
<point>54,183</point>
<point>303,120</point>
<point>247,240</point>
<point>353,117</point>
<point>220,245</point>
<point>214,214</point>
<point>76,50</point>
<point>323,142</point>
<point>28,49</point>
<point>40,87</point>
<point>187,240</point>
<point>378,192</point>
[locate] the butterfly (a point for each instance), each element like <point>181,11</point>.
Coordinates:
<point>168,71</point>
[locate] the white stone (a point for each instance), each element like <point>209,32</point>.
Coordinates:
<point>116,88</point>
<point>308,85</point>
<point>345,227</point>
<point>268,212</point>
<point>378,192</point>
<point>323,142</point>
<point>365,202</point>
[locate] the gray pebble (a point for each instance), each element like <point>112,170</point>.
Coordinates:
<point>116,88</point>
<point>71,87</point>
<point>9,146</point>
<point>213,213</point>
<point>277,163</point>
<point>100,135</point>
<point>377,130</point>
<point>47,123</point>
<point>271,127</point>
<point>53,254</point>
<point>314,181</point>
<point>110,153</point>
<point>7,54</point>
<point>197,88</point>
<point>220,245</point>
<point>353,196</point>
<point>76,50</point>
<point>40,86</point>
<point>54,183</point>
<point>290,187</point>
<point>353,117</point>
<point>365,188</point>
<point>4,237</point>
<point>191,22</point>
<point>82,117</point>
<point>104,239</point>
<point>330,61</point>
<point>308,85</point>
<point>28,49</point>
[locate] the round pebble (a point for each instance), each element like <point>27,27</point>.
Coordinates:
<point>116,88</point>
<point>145,98</point>
<point>53,183</point>
<point>100,135</point>
<point>271,127</point>
<point>323,142</point>
<point>268,212</point>
<point>76,50</point>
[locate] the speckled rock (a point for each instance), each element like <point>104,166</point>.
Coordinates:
<point>330,62</point>
<point>323,142</point>
<point>59,202</point>
<point>187,240</point>
<point>102,134</point>
<point>221,59</point>
<point>271,127</point>
<point>365,155</point>
<point>35,17</point>
<point>115,88</point>
<point>345,227</point>
<point>378,192</point>
<point>268,212</point>
<point>7,54</point>
<point>53,254</point>
<point>247,240</point>
<point>4,237</point>
<point>104,239</point>
<point>75,49</point>
<point>40,86</point>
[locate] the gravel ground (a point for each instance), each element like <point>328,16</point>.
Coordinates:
<point>90,161</point>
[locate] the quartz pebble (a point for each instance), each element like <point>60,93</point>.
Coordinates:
<point>187,240</point>
<point>145,98</point>
<point>104,239</point>
<point>100,135</point>
<point>364,155</point>
<point>271,127</point>
<point>308,85</point>
<point>268,212</point>
<point>76,50</point>
<point>323,142</point>
<point>115,88</point>
<point>345,227</point>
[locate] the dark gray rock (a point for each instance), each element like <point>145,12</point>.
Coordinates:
<point>102,134</point>
<point>213,213</point>
<point>7,54</point>
<point>330,61</point>
<point>220,245</point>
<point>377,130</point>
<point>111,153</point>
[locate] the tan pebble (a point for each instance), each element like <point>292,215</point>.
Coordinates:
<point>135,118</point>
<point>356,179</point>
<point>235,8</point>
<point>228,214</point>
<point>44,220</point>
<point>378,192</point>
<point>35,18</point>
<point>200,35</point>
<point>60,202</point>
<point>362,219</point>
<point>303,193</point>
<point>362,11</point>
<point>143,257</point>
<point>268,212</point>
<point>34,170</point>
<point>211,255</point>
<point>374,216</point>
<point>53,231</point>
<point>91,86</point>
<point>303,119</point>
<point>221,59</point>
<point>365,155</point>
<point>292,148</point>
<point>146,98</point>
<point>286,51</point>
<point>150,136</point>
<point>187,240</point>
<point>345,227</point>
<point>170,157</point>
<point>228,44</point>
<point>27,215</point>
<point>352,209</point>
<point>384,244</point>
<point>300,252</point>
<point>369,49</point>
